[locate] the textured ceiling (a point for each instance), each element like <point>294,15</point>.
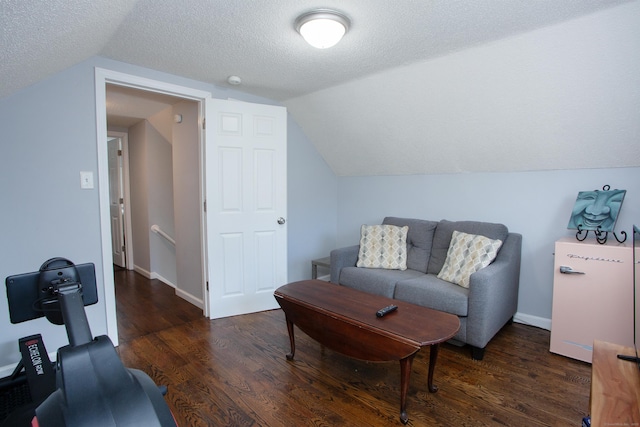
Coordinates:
<point>208,40</point>
<point>357,102</point>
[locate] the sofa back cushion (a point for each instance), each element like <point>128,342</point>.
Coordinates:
<point>444,231</point>
<point>419,240</point>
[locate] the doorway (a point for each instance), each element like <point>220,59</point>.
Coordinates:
<point>163,155</point>
<point>153,90</point>
<point>119,204</point>
<point>247,253</point>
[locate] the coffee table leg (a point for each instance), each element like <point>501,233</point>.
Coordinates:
<point>405,375</point>
<point>433,356</point>
<point>292,340</point>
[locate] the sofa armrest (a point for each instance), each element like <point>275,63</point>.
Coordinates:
<point>493,293</point>
<point>343,257</point>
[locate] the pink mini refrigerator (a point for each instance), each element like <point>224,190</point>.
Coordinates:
<point>592,296</point>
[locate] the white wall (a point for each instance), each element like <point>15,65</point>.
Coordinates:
<point>534,204</point>
<point>49,136</point>
<point>313,204</point>
<point>139,196</point>
<point>187,203</point>
<point>159,169</point>
<point>150,172</point>
<point>165,171</point>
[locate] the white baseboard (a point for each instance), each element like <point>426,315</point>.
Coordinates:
<point>155,275</point>
<point>152,275</point>
<point>142,271</point>
<point>538,322</point>
<point>190,298</point>
<point>198,302</point>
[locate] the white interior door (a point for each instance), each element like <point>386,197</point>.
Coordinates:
<point>116,199</point>
<point>246,194</point>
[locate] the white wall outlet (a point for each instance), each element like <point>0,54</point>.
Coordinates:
<point>86,179</point>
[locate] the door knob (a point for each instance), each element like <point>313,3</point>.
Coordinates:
<point>568,270</point>
<point>281,221</point>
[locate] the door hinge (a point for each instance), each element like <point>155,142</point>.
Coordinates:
<point>119,152</point>
<point>205,205</point>
<point>123,248</point>
<point>207,286</point>
<point>204,123</point>
<point>121,201</point>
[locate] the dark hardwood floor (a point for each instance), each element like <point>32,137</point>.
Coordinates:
<point>146,306</point>
<point>233,372</point>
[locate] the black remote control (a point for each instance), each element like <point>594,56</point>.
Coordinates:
<point>384,311</point>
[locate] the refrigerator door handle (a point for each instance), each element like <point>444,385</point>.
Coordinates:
<point>568,270</point>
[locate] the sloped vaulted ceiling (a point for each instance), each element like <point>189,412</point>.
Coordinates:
<point>416,86</point>
<point>562,97</point>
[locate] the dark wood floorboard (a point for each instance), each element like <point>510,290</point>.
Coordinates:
<point>144,306</point>
<point>233,372</point>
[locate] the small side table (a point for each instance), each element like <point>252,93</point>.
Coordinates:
<point>322,262</point>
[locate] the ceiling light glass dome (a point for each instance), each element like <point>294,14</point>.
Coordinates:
<point>322,28</point>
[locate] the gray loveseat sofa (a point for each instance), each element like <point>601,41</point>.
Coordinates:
<point>484,307</point>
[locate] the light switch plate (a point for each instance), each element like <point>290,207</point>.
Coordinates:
<point>86,179</point>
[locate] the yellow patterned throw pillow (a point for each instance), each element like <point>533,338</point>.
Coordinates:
<point>467,254</point>
<point>383,246</point>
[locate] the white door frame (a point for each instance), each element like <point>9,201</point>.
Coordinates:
<point>102,77</point>
<point>128,232</point>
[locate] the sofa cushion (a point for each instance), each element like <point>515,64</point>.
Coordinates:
<point>375,280</point>
<point>419,240</point>
<point>444,232</point>
<point>383,246</point>
<point>431,292</point>
<point>467,254</point>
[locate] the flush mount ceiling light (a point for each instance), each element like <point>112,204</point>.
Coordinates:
<point>322,28</point>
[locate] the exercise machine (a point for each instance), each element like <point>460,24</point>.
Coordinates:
<point>88,385</point>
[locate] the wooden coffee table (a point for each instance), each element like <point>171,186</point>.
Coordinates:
<point>344,320</point>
